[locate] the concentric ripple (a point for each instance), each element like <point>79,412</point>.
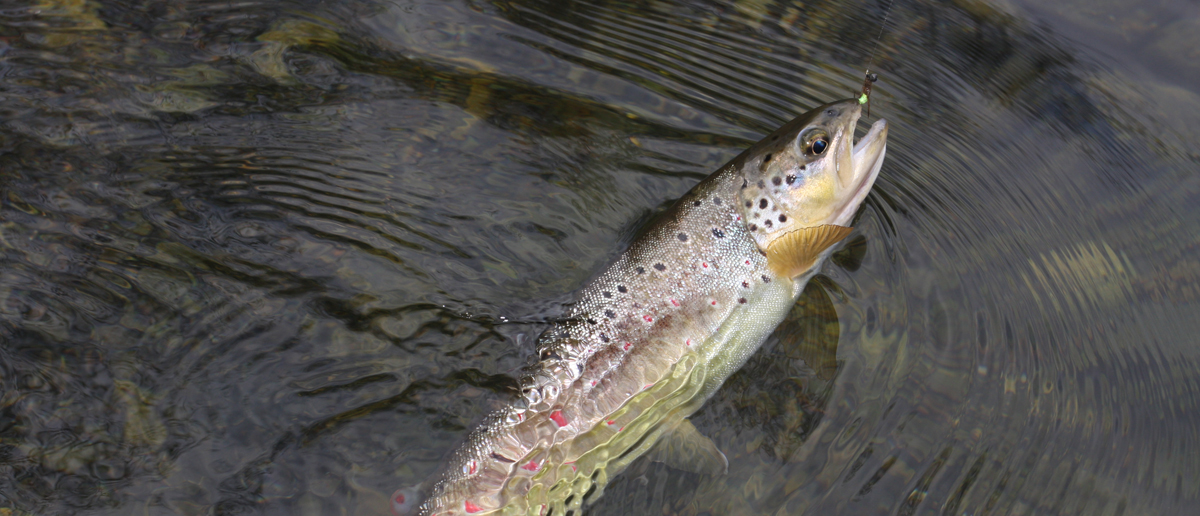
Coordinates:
<point>279,257</point>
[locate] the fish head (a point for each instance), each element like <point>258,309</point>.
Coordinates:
<point>406,501</point>
<point>807,176</point>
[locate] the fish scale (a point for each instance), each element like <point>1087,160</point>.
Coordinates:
<point>655,334</point>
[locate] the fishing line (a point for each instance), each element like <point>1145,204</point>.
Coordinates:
<point>882,27</point>
<point>868,77</point>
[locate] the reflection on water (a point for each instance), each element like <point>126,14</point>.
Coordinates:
<point>278,257</point>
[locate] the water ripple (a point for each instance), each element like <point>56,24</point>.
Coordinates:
<point>279,257</point>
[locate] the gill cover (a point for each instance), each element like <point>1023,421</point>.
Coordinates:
<point>803,182</point>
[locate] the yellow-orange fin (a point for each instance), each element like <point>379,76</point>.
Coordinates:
<point>795,252</point>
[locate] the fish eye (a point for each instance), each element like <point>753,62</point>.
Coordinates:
<point>816,142</point>
<point>819,145</point>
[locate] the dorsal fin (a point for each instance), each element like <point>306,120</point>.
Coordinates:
<point>795,252</point>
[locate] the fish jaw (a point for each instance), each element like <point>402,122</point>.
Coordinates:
<point>866,161</point>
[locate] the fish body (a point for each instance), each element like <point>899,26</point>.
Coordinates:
<point>658,332</point>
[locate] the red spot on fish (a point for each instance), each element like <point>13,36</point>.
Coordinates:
<point>674,302</point>
<point>705,264</point>
<point>610,422</point>
<point>593,383</point>
<point>471,508</point>
<point>714,303</point>
<point>532,466</point>
<point>648,318</point>
<point>689,342</point>
<point>573,468</point>
<point>520,416</point>
<point>739,217</point>
<point>622,429</point>
<point>471,470</point>
<point>627,344</point>
<point>558,418</point>
<point>400,499</point>
<point>747,262</point>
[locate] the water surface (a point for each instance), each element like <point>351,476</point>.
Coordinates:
<point>278,257</point>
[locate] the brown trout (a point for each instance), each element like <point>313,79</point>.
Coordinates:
<point>660,330</point>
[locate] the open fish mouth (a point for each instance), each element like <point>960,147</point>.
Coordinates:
<point>867,158</point>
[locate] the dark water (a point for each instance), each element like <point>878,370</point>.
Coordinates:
<point>277,257</point>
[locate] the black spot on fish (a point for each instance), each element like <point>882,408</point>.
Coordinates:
<point>745,183</point>
<point>802,167</point>
<point>742,300</point>
<point>604,337</point>
<point>697,203</point>
<point>591,321</point>
<point>761,184</point>
<point>753,227</point>
<point>776,181</point>
<point>749,203</point>
<point>610,314</point>
<point>622,289</point>
<point>717,201</point>
<point>718,233</point>
<point>782,218</point>
<point>607,294</point>
<point>766,279</point>
<point>745,284</point>
<point>791,178</point>
<point>682,237</point>
<point>762,204</point>
<point>767,223</point>
<point>767,158</point>
<point>660,267</point>
<point>640,270</point>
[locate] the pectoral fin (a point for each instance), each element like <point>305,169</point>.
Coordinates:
<point>685,448</point>
<point>795,252</point>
